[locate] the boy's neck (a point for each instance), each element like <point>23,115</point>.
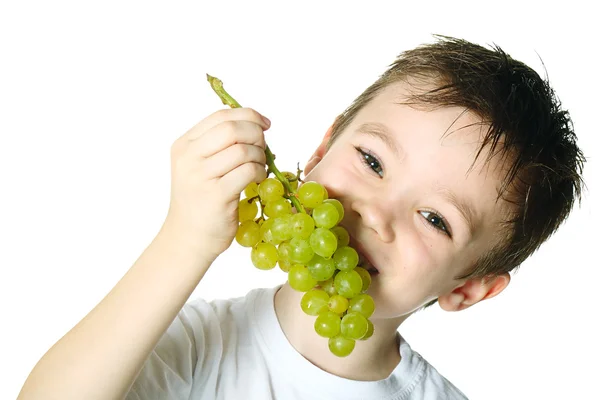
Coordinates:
<point>371,360</point>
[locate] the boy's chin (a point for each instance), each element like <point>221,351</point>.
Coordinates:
<point>387,305</point>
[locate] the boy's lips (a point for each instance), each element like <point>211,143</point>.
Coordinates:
<point>364,258</point>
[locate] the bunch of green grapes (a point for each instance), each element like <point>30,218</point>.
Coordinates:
<point>298,230</point>
<point>314,251</point>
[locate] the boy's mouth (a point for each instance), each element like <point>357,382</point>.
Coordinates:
<point>366,264</point>
<point>363,259</point>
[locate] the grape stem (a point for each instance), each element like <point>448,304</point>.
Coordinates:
<point>251,199</point>
<point>217,86</point>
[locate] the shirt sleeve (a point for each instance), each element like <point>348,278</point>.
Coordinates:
<point>169,370</point>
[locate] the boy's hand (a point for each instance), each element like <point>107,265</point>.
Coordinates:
<point>211,165</point>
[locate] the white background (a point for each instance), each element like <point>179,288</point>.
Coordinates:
<point>92,96</point>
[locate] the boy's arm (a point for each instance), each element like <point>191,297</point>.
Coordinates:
<point>101,356</point>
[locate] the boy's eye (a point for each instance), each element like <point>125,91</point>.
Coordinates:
<point>437,221</point>
<point>371,161</point>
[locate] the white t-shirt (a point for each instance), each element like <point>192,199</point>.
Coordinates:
<point>235,349</point>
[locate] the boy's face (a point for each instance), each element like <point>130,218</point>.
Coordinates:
<point>414,205</point>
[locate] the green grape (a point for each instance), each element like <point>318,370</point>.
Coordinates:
<point>311,194</point>
<point>338,304</point>
<point>370,331</point>
<point>345,258</point>
<point>341,346</point>
<point>354,325</point>
<point>328,286</point>
<point>321,268</point>
<point>302,225</point>
<point>348,283</point>
<point>314,301</point>
<point>277,208</point>
<point>362,304</point>
<point>365,276</point>
<point>283,250</point>
<point>247,210</point>
<point>281,228</point>
<point>342,235</point>
<point>328,324</point>
<point>284,265</point>
<point>248,234</point>
<point>264,256</point>
<point>300,279</point>
<point>300,251</point>
<point>266,234</point>
<point>270,189</point>
<point>303,245</point>
<point>338,206</point>
<point>292,179</point>
<point>323,242</point>
<point>325,216</point>
<point>251,190</point>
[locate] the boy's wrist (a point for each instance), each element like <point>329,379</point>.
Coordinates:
<point>177,238</point>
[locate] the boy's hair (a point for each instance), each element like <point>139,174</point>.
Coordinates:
<point>527,128</point>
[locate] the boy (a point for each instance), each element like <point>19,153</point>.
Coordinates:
<point>453,168</point>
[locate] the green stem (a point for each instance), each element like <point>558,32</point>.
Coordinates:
<point>217,86</point>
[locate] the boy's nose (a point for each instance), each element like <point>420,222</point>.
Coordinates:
<point>374,216</point>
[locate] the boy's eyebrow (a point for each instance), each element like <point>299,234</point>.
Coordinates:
<point>465,208</point>
<point>381,132</point>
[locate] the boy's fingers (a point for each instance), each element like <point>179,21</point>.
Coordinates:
<point>232,157</point>
<point>226,134</point>
<point>235,181</point>
<point>228,114</point>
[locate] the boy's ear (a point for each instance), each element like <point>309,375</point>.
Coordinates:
<point>319,153</point>
<point>473,291</point>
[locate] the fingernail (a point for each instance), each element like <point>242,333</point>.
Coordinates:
<point>267,121</point>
